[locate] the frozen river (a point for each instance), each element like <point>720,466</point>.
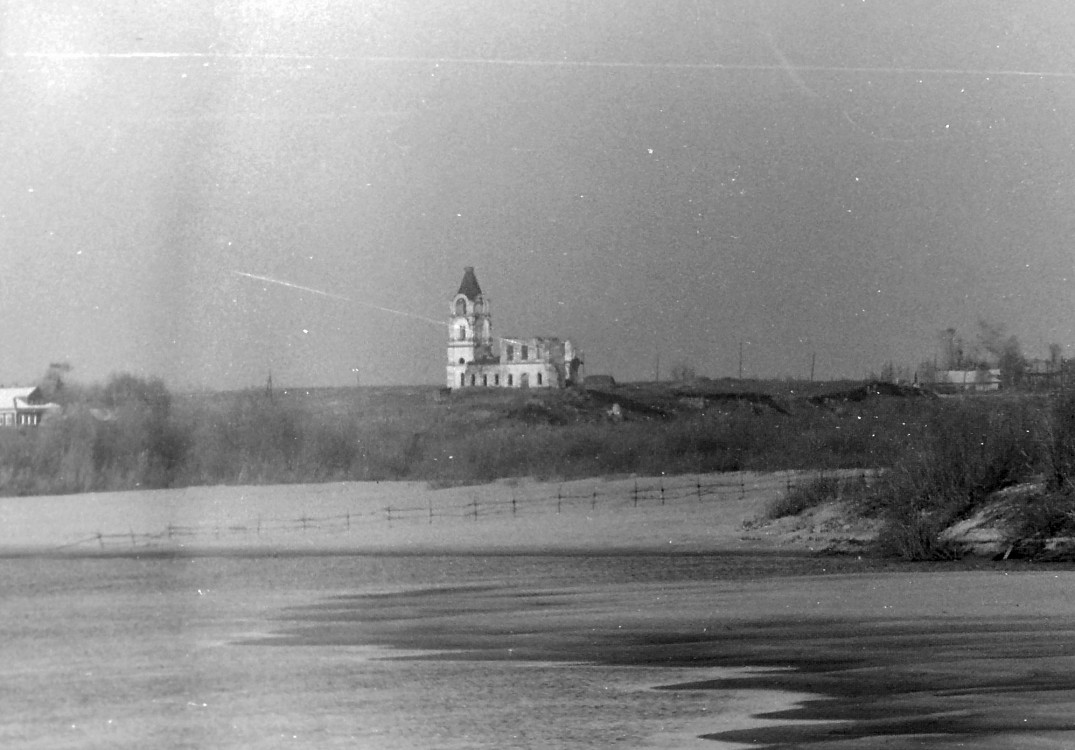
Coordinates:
<point>524,651</point>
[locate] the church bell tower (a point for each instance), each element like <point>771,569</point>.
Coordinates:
<point>470,329</point>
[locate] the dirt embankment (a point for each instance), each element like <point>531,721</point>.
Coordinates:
<point>1023,521</point>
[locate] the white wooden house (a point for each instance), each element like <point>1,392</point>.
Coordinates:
<point>968,380</point>
<point>24,406</point>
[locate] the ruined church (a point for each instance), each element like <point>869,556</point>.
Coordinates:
<point>478,359</point>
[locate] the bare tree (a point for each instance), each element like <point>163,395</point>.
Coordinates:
<point>1056,353</point>
<point>927,372</point>
<point>952,350</point>
<point>1005,349</point>
<point>54,383</point>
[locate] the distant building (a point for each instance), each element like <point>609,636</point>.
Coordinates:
<point>478,359</point>
<point>967,380</point>
<point>24,406</point>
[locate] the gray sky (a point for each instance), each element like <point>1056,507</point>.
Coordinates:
<point>642,176</point>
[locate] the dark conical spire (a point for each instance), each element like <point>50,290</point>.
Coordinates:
<point>469,287</point>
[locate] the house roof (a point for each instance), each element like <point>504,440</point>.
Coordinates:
<point>11,398</point>
<point>469,287</point>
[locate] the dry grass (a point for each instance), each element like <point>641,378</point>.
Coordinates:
<point>152,439</point>
<point>970,450</point>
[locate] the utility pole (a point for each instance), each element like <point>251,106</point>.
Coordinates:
<point>740,360</point>
<point>657,376</point>
<point>813,361</point>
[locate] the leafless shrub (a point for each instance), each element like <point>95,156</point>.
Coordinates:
<point>802,497</point>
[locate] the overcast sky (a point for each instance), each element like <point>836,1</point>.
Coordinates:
<point>647,177</point>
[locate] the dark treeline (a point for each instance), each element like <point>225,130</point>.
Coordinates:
<point>132,433</point>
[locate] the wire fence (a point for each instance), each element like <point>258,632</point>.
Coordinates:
<point>641,494</point>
